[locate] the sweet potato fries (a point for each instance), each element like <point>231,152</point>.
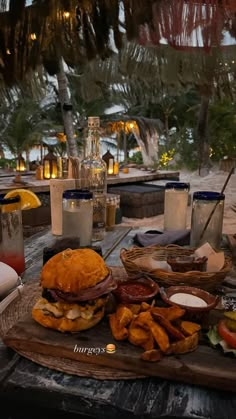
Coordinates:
<point>159,331</point>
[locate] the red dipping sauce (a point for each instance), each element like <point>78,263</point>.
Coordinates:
<point>131,291</point>
<point>135,289</point>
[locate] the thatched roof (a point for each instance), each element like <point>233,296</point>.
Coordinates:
<point>80,30</point>
<point>145,126</point>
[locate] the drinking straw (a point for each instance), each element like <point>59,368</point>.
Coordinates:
<point>214,208</point>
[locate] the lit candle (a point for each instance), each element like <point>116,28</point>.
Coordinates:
<point>110,167</point>
<point>116,168</point>
<point>54,170</point>
<point>59,164</point>
<point>20,166</point>
<point>46,169</point>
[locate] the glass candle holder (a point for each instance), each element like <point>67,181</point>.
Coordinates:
<point>175,205</point>
<point>77,215</point>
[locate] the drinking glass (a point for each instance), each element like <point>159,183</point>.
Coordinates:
<point>206,204</point>
<point>11,234</point>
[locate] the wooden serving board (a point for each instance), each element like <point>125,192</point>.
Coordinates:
<point>205,366</point>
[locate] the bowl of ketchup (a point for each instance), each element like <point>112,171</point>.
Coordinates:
<point>136,290</point>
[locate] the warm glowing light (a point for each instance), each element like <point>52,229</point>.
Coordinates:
<point>8,52</point>
<point>20,164</point>
<point>125,170</point>
<point>33,36</point>
<point>166,158</point>
<point>131,125</point>
<point>59,167</point>
<point>66,15</point>
<point>61,137</point>
<point>46,167</point>
<point>116,168</point>
<point>50,170</point>
<point>110,170</point>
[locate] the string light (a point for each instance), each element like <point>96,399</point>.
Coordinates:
<point>8,52</point>
<point>66,15</point>
<point>33,36</point>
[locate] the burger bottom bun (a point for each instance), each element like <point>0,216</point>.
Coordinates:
<point>65,325</point>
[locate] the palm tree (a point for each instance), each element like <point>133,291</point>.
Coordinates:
<point>24,126</point>
<point>148,81</point>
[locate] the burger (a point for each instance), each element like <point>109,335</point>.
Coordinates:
<point>110,348</point>
<point>75,287</point>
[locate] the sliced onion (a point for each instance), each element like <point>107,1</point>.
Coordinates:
<point>104,287</point>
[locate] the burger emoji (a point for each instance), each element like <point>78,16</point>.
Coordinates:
<point>75,287</point>
<point>110,348</point>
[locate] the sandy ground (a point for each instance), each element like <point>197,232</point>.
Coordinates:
<point>213,182</point>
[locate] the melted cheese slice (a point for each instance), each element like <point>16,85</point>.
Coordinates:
<point>70,311</point>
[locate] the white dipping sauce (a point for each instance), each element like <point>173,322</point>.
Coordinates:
<point>188,300</point>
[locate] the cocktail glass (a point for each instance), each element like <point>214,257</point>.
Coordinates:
<point>11,234</point>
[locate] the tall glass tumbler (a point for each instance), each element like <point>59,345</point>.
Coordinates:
<point>11,234</point>
<point>204,204</point>
<point>175,205</point>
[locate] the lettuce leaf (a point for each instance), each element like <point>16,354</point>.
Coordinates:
<point>216,339</point>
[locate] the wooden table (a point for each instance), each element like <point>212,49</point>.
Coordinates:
<point>134,176</point>
<point>34,391</point>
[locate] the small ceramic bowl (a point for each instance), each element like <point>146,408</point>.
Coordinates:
<point>136,290</point>
<point>195,301</point>
<point>187,263</point>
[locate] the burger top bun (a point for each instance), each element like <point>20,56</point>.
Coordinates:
<point>73,270</point>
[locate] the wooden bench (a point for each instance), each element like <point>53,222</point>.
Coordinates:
<point>227,164</point>
<point>140,201</point>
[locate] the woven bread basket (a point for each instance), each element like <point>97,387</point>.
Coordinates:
<point>208,281</point>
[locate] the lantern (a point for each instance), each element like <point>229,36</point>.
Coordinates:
<point>20,164</point>
<point>116,168</point>
<point>109,160</point>
<point>50,166</point>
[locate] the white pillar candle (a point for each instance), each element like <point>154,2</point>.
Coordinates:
<point>110,167</point>
<point>175,209</point>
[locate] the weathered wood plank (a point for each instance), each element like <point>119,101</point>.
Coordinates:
<point>34,245</point>
<point>204,366</point>
<point>144,398</point>
<point>134,176</point>
<point>113,259</point>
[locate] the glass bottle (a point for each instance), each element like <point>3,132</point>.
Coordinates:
<point>206,204</point>
<point>94,172</point>
<point>175,206</point>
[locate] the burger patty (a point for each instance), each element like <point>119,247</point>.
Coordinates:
<point>46,293</point>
